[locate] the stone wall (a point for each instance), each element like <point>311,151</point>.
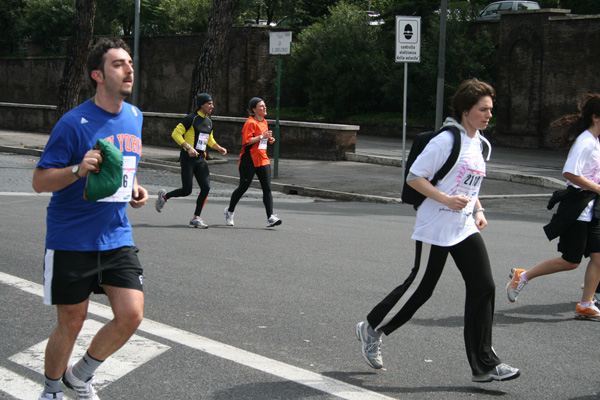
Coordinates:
<point>166,63</point>
<point>297,140</point>
<point>545,60</point>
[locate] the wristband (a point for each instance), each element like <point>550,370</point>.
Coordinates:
<point>187,146</point>
<point>479,210</point>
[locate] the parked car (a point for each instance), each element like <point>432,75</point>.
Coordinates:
<point>492,11</point>
<point>375,18</point>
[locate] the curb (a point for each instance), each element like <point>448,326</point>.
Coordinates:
<point>503,175</point>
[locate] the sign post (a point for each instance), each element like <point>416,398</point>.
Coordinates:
<point>280,43</point>
<point>408,50</point>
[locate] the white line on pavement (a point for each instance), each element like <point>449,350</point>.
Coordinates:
<point>243,357</point>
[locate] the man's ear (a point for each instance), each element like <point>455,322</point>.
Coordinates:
<point>98,76</point>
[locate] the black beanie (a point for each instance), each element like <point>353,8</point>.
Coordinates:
<point>253,102</point>
<point>202,99</point>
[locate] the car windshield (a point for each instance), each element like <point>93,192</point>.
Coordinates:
<point>528,6</point>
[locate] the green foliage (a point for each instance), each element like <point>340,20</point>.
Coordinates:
<point>336,65</point>
<point>10,13</point>
<point>46,19</point>
<point>468,55</point>
<point>581,6</point>
<point>342,66</point>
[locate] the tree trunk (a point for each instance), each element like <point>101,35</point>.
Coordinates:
<point>213,49</point>
<point>70,84</point>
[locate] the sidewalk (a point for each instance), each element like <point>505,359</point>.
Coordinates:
<point>373,173</point>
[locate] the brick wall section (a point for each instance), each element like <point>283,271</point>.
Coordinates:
<point>546,59</point>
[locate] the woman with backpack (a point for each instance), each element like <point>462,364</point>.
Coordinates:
<point>448,223</point>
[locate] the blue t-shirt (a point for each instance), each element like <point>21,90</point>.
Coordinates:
<point>72,222</point>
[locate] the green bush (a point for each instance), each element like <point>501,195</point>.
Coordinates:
<point>335,67</point>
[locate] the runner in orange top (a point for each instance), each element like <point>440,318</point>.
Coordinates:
<point>256,136</point>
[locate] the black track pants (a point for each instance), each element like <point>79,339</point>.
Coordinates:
<point>472,260</point>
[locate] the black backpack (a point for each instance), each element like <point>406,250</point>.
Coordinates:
<point>410,195</point>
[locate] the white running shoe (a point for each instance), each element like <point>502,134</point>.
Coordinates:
<point>160,200</point>
<point>370,345</point>
<point>228,217</point>
<point>198,223</point>
<point>84,390</point>
<point>273,221</point>
<point>44,396</point>
<point>501,372</point>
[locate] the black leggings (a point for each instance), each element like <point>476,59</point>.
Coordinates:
<point>191,167</point>
<point>247,172</point>
<point>472,260</point>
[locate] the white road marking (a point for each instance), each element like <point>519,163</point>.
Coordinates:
<point>209,346</point>
<point>128,358</point>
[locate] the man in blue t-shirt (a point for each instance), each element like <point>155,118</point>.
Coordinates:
<point>89,247</point>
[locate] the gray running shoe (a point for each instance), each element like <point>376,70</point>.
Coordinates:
<point>516,284</point>
<point>370,344</point>
<point>501,372</point>
<point>228,217</point>
<point>273,221</point>
<point>84,390</point>
<point>198,223</point>
<point>160,200</point>
<point>597,298</point>
<point>44,396</point>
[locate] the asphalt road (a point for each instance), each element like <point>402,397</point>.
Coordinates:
<point>247,312</point>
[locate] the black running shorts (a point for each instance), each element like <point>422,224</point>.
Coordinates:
<point>71,276</point>
<point>580,239</point>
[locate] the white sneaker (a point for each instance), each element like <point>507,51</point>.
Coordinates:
<point>370,346</point>
<point>160,200</point>
<point>84,390</point>
<point>228,217</point>
<point>273,221</point>
<point>44,396</point>
<point>198,223</point>
<point>501,372</point>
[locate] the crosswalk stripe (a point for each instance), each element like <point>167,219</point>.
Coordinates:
<point>209,346</point>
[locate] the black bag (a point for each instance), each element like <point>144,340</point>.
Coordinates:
<point>410,195</point>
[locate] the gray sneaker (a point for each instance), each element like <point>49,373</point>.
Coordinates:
<point>228,217</point>
<point>44,396</point>
<point>515,285</point>
<point>198,223</point>
<point>160,200</point>
<point>84,390</point>
<point>597,298</point>
<point>273,221</point>
<point>501,372</point>
<point>371,346</point>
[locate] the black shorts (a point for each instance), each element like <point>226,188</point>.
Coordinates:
<point>580,239</point>
<point>71,276</point>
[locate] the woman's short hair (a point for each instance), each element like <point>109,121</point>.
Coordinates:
<point>468,94</point>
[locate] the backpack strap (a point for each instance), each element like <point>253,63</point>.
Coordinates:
<point>454,153</point>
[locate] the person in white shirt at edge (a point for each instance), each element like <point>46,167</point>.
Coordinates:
<point>580,234</point>
<point>448,222</point>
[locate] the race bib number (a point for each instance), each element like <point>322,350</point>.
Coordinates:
<point>263,144</point>
<point>123,194</point>
<point>202,141</point>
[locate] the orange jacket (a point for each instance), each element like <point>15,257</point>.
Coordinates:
<point>258,151</point>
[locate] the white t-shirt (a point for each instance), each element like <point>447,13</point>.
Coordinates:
<point>437,224</point>
<point>584,160</point>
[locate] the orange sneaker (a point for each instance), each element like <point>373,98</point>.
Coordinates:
<point>591,313</point>
<point>515,285</point>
